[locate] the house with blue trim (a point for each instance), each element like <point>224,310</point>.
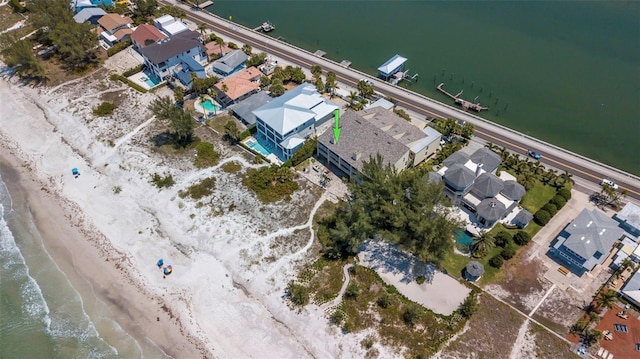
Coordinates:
<point>230,63</point>
<point>586,241</point>
<point>286,122</point>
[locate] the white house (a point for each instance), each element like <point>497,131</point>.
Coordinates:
<point>169,25</point>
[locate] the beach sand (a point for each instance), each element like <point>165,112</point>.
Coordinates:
<point>232,256</point>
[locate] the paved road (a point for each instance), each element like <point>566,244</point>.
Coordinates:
<point>553,156</point>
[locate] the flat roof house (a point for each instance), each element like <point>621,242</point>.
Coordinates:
<point>177,56</point>
<point>629,218</point>
<point>114,28</point>
<point>230,63</point>
<point>169,25</point>
<point>287,121</point>
<point>586,241</point>
<point>145,35</point>
<point>238,86</point>
<point>359,141</point>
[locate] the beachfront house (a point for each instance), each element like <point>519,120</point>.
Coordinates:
<point>230,63</point>
<point>145,35</point>
<point>586,241</point>
<point>169,25</point>
<point>238,86</point>
<point>631,290</point>
<point>286,122</point>
<point>629,219</point>
<point>376,131</point>
<point>89,14</point>
<point>176,57</point>
<point>114,28</point>
<point>243,110</point>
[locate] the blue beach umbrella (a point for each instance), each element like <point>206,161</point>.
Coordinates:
<point>75,171</point>
<point>160,262</point>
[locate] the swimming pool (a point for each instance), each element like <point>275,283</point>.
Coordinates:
<point>208,105</point>
<point>463,238</point>
<point>150,79</point>
<point>256,146</point>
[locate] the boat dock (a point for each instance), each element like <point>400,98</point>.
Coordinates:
<point>393,71</point>
<point>265,27</point>
<point>205,4</point>
<point>462,102</point>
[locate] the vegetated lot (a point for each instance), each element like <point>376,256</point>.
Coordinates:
<point>368,303</point>
<point>492,332</point>
<point>8,17</point>
<point>548,345</point>
<point>560,310</point>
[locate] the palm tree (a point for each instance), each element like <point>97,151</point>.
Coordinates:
<point>606,299</point>
<point>482,244</point>
<point>591,336</point>
<point>491,147</point>
<point>203,29</point>
<point>353,96</point>
<point>220,42</point>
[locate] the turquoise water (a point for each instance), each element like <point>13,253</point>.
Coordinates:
<point>209,106</point>
<point>256,146</point>
<point>565,72</point>
<point>463,238</point>
<point>151,79</point>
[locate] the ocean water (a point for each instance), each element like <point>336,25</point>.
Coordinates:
<point>41,314</point>
<point>563,71</point>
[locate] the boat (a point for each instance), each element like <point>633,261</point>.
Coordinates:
<point>267,26</point>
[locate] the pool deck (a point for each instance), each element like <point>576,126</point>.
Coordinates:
<point>271,157</point>
<point>137,79</point>
<point>200,109</point>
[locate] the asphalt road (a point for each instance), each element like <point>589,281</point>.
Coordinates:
<point>552,156</point>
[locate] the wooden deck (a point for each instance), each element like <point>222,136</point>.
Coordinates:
<point>462,102</point>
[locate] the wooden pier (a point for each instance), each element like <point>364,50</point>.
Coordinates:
<point>205,4</point>
<point>462,102</point>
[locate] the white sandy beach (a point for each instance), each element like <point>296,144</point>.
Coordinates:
<point>224,298</point>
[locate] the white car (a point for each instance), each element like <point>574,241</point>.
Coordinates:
<point>609,183</point>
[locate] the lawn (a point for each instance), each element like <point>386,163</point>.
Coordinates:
<point>218,122</point>
<point>537,197</point>
<point>454,263</point>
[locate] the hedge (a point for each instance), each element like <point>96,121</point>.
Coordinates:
<point>496,261</point>
<point>508,252</point>
<point>130,83</point>
<point>565,193</point>
<point>551,208</point>
<point>521,238</point>
<point>559,201</point>
<point>503,238</point>
<point>542,217</point>
<point>118,47</point>
<point>133,70</point>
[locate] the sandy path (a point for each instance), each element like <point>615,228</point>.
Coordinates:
<point>336,302</point>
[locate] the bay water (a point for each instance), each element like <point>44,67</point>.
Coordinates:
<point>567,72</point>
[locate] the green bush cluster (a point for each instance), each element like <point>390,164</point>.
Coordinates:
<point>303,153</point>
<point>496,261</point>
<point>104,109</point>
<point>271,183</point>
<point>133,70</point>
<point>565,193</point>
<point>130,83</point>
<point>521,238</point>
<point>17,7</point>
<point>199,190</point>
<point>207,156</point>
<point>551,208</point>
<point>298,294</point>
<point>118,47</point>
<point>162,182</point>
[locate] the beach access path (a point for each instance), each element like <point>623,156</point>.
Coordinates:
<point>554,156</point>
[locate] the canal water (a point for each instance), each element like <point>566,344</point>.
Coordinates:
<point>565,72</point>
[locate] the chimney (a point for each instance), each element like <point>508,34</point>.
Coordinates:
<point>478,169</point>
<point>355,156</point>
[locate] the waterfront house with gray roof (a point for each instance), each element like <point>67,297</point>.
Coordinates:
<point>230,63</point>
<point>458,180</point>
<point>287,121</point>
<point>629,218</point>
<point>513,190</point>
<point>522,219</point>
<point>89,14</point>
<point>631,289</point>
<point>486,158</point>
<point>179,54</point>
<point>586,241</point>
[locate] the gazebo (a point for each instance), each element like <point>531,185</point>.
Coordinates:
<point>473,271</point>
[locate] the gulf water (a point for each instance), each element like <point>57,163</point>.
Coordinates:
<point>567,72</point>
<point>41,313</point>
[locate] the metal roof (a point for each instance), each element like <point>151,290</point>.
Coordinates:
<point>474,268</point>
<point>392,64</point>
<point>591,232</point>
<point>456,157</point>
<point>229,62</point>
<point>487,185</point>
<point>513,190</point>
<point>244,109</point>
<point>87,13</point>
<point>630,214</point>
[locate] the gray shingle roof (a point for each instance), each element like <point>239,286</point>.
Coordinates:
<point>87,13</point>
<point>394,125</point>
<point>522,218</point>
<point>245,108</point>
<point>474,268</point>
<point>456,157</point>
<point>459,177</point>
<point>592,232</point>
<point>513,190</point>
<point>362,139</point>
<point>630,214</point>
<point>230,61</point>
<point>489,159</point>
<point>491,209</point>
<point>487,185</point>
<point>173,46</point>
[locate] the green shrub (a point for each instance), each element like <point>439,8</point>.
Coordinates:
<point>337,317</point>
<point>385,300</point>
<point>508,252</point>
<point>503,238</point>
<point>17,7</point>
<point>521,238</point>
<point>496,261</point>
<point>411,315</point>
<point>233,45</point>
<point>304,152</point>
<point>469,306</point>
<point>206,156</point>
<point>299,294</point>
<point>542,217</point>
<point>199,190</point>
<point>565,193</point>
<point>231,167</point>
<point>162,182</point>
<point>271,183</point>
<point>559,201</point>
<point>420,279</point>
<point>104,109</point>
<point>551,208</point>
<point>133,70</point>
<point>352,292</point>
<point>118,47</point>
<point>130,83</point>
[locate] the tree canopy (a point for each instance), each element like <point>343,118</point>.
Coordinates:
<point>180,122</point>
<point>405,209</point>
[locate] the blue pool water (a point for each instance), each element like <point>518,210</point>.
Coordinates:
<point>209,106</point>
<point>256,146</point>
<point>463,238</point>
<point>150,79</point>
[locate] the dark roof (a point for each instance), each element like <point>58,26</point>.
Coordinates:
<point>474,268</point>
<point>173,46</point>
<point>244,109</point>
<point>522,218</point>
<point>592,232</point>
<point>487,158</point>
<point>230,61</point>
<point>360,140</point>
<point>456,157</point>
<point>487,185</point>
<point>513,190</point>
<point>491,209</point>
<point>459,177</point>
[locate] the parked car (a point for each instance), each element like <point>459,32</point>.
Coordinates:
<point>609,183</point>
<point>535,155</point>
